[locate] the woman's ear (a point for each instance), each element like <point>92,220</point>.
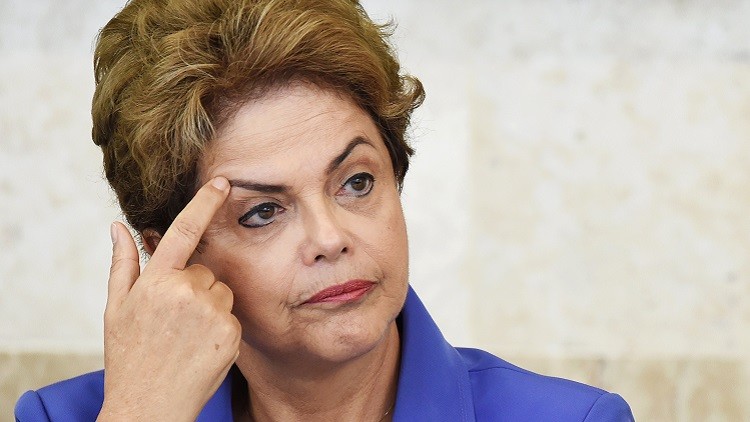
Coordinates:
<point>151,240</point>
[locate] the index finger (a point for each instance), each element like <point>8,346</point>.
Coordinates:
<point>183,235</point>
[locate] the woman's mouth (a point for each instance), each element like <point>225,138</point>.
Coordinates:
<point>350,291</point>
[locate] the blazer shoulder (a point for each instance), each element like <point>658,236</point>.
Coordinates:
<point>30,408</point>
<point>78,398</point>
<point>501,388</point>
<point>610,407</point>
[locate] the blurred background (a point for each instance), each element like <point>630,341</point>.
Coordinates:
<point>578,205</point>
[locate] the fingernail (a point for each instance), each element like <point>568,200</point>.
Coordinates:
<point>113,233</point>
<point>220,183</point>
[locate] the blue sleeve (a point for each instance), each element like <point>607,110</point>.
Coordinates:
<point>30,408</point>
<point>610,408</point>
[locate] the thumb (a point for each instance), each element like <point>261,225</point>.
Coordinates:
<point>125,267</point>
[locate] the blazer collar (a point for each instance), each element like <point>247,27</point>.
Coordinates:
<point>433,382</point>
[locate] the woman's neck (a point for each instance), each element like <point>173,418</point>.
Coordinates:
<point>362,389</point>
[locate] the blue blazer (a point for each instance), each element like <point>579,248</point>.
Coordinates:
<point>437,382</point>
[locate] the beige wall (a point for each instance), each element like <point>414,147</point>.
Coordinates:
<point>578,203</point>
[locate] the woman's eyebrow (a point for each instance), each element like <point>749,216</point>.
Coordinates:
<point>271,188</point>
<point>336,162</point>
<point>258,187</point>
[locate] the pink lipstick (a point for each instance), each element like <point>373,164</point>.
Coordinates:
<point>345,292</point>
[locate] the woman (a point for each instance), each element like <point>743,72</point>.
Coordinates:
<point>258,149</point>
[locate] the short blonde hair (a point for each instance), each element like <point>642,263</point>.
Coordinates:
<point>168,73</point>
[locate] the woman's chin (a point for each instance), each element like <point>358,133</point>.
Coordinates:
<point>351,348</point>
<point>332,347</point>
<point>330,335</point>
<point>344,344</point>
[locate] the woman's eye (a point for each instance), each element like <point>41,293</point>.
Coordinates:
<point>261,215</point>
<point>358,185</point>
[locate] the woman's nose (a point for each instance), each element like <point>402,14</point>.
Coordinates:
<point>326,239</point>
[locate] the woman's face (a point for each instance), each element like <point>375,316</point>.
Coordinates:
<point>311,239</point>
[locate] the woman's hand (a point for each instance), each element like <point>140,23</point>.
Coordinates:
<point>169,335</point>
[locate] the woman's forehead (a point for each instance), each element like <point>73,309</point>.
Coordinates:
<point>295,101</point>
<point>289,127</point>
